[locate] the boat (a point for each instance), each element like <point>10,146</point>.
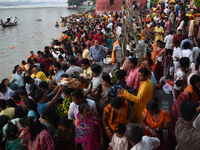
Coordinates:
<point>86,7</point>
<point>72,7</point>
<point>9,22</point>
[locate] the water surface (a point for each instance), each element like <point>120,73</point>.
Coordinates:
<point>25,30</point>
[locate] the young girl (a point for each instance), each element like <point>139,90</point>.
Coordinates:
<point>119,139</point>
<point>13,142</point>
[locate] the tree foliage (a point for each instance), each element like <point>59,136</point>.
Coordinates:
<point>153,1</point>
<point>197,3</point>
<point>74,2</point>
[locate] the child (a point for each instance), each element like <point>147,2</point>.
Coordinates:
<point>119,139</point>
<point>12,141</point>
<point>85,64</point>
<point>180,76</point>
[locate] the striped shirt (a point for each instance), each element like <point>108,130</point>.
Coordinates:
<point>167,27</point>
<point>187,136</point>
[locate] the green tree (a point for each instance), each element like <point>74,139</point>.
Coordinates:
<point>197,3</point>
<point>153,1</point>
<point>74,2</point>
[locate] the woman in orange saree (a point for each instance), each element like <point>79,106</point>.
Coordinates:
<point>117,112</point>
<point>193,88</point>
<point>153,121</point>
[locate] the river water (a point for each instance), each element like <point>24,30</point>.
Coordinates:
<point>21,36</point>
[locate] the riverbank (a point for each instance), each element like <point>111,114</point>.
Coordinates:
<point>26,28</point>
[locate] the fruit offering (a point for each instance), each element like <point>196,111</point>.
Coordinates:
<point>62,109</point>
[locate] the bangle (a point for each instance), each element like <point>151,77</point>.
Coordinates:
<point>147,127</point>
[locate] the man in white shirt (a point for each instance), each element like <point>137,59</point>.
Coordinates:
<point>168,40</point>
<point>57,53</point>
<point>29,81</point>
<point>119,29</point>
<point>186,52</point>
<point>96,79</point>
<point>156,18</point>
<point>177,54</point>
<point>73,68</point>
<point>77,98</point>
<point>5,93</point>
<point>102,29</point>
<point>110,24</point>
<point>138,141</point>
<point>166,11</point>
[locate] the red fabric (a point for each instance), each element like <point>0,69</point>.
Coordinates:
<point>167,27</point>
<point>40,60</point>
<point>98,37</point>
<point>91,34</point>
<point>160,137</point>
<point>78,36</point>
<point>43,141</point>
<point>178,37</point>
<point>170,82</point>
<point>47,64</point>
<point>158,71</point>
<point>79,63</point>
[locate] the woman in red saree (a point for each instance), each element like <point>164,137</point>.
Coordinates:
<point>147,63</point>
<point>153,121</point>
<point>160,58</point>
<point>153,55</point>
<point>87,129</point>
<point>175,115</point>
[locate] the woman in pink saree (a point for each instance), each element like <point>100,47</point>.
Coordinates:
<point>88,129</point>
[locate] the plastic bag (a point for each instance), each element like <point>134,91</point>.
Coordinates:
<point>107,60</point>
<point>167,88</point>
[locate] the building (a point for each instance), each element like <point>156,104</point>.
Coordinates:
<point>115,5</point>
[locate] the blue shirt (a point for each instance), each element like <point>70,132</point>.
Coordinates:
<point>162,24</point>
<point>187,40</point>
<point>14,87</point>
<point>97,54</point>
<point>42,106</point>
<point>112,91</point>
<point>32,113</point>
<point>177,10</point>
<point>18,79</point>
<point>59,74</point>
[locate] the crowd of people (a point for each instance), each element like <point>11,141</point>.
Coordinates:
<point>116,112</point>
